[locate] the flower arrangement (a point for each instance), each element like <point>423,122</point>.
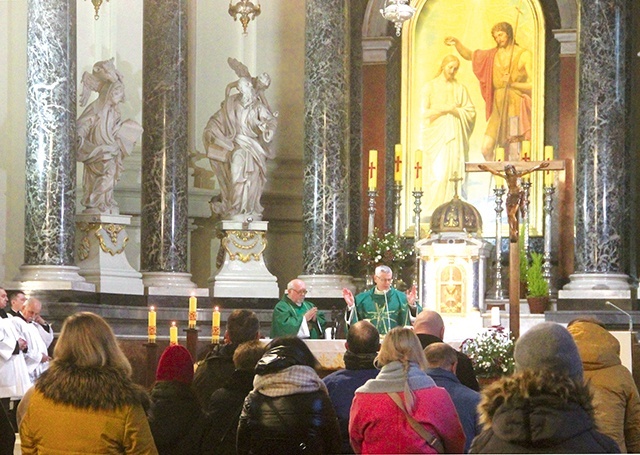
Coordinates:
<point>491,352</point>
<point>388,249</point>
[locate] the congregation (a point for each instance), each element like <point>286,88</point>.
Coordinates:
<point>403,390</point>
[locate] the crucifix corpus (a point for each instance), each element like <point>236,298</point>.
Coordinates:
<point>512,173</point>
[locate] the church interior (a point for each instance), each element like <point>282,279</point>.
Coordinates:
<point>342,83</point>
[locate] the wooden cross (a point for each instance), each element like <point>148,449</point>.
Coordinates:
<point>455,179</point>
<point>512,171</point>
<point>397,162</point>
<point>371,168</point>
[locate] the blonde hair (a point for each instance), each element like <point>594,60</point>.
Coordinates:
<point>402,345</point>
<point>86,340</point>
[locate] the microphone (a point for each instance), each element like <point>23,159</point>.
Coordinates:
<point>623,312</point>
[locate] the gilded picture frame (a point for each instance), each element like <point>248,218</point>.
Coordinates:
<point>426,48</point>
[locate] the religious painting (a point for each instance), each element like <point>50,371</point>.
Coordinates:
<point>473,75</point>
<point>450,300</point>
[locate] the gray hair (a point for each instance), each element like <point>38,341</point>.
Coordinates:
<point>383,269</point>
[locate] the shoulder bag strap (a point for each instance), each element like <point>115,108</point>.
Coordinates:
<point>429,437</point>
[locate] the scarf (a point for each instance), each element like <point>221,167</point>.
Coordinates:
<point>364,361</point>
<point>291,380</point>
<point>392,379</point>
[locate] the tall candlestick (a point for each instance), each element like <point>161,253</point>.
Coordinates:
<point>397,164</point>
<point>499,154</point>
<point>151,329</point>
<point>372,169</point>
<point>525,154</point>
<point>215,326</point>
<point>417,183</point>
<point>193,314</point>
<point>173,334</point>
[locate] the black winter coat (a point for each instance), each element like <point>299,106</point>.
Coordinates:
<point>223,414</point>
<point>539,412</point>
<point>175,418</point>
<point>213,372</point>
<point>304,423</point>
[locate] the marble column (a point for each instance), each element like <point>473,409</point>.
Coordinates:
<point>326,148</point>
<point>164,223</point>
<point>50,168</point>
<point>602,183</point>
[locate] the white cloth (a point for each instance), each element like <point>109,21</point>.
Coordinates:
<point>445,137</point>
<point>36,347</point>
<point>14,375</point>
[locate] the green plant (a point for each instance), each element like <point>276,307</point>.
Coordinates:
<point>536,283</point>
<point>491,352</point>
<point>388,249</point>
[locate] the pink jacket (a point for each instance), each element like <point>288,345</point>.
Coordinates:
<point>377,425</point>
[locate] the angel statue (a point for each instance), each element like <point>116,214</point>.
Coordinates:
<point>238,139</point>
<point>104,139</point>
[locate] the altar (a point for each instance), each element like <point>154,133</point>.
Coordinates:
<point>329,353</point>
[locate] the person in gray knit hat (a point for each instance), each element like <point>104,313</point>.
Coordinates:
<point>545,406</point>
<point>548,346</point>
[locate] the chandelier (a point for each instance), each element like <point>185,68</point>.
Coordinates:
<point>247,11</point>
<point>397,11</point>
<point>96,6</point>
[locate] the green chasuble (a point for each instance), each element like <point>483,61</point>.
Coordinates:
<point>384,314</point>
<point>287,318</point>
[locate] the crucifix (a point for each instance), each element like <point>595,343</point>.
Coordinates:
<point>512,173</point>
<point>371,168</point>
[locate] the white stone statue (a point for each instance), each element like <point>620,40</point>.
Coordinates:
<point>104,139</point>
<point>238,140</point>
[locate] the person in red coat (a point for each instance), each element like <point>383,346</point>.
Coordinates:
<point>378,424</point>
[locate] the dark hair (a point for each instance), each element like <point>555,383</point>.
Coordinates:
<point>242,325</point>
<point>363,338</point>
<point>503,27</point>
<point>11,295</point>
<point>285,352</point>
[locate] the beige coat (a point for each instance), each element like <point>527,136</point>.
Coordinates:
<point>615,396</point>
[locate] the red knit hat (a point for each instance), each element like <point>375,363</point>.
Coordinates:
<point>175,364</point>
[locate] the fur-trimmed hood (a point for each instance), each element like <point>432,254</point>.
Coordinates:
<point>104,388</point>
<point>532,410</point>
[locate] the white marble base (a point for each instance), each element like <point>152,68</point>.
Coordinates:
<point>243,273</point>
<point>171,283</point>
<point>52,278</point>
<point>100,254</point>
<point>327,286</point>
<point>598,282</point>
<point>582,294</point>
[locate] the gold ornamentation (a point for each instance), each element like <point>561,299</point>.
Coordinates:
<point>112,229</point>
<point>84,247</point>
<point>244,236</point>
<point>96,6</point>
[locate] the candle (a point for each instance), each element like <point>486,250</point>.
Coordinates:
<point>495,316</point>
<point>151,329</point>
<point>417,183</point>
<point>193,315</point>
<point>549,176</point>
<point>397,164</point>
<point>173,334</point>
<point>525,154</point>
<point>548,152</point>
<point>372,169</point>
<point>215,326</point>
<point>499,154</point>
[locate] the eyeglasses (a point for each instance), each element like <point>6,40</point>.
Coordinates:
<point>300,291</point>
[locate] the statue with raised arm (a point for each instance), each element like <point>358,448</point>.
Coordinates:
<point>104,139</point>
<point>515,194</point>
<point>238,140</point>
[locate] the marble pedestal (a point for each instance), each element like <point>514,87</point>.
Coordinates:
<point>50,278</point>
<point>100,244</point>
<point>590,291</point>
<point>244,273</point>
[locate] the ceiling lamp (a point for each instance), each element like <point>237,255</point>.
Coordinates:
<point>247,11</point>
<point>397,11</point>
<point>96,6</point>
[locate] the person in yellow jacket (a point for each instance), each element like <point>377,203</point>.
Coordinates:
<point>615,395</point>
<point>86,401</point>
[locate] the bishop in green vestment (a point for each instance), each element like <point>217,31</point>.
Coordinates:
<point>384,306</point>
<point>295,316</point>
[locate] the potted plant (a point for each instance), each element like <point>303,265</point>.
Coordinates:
<point>385,249</point>
<point>537,286</point>
<point>491,353</point>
